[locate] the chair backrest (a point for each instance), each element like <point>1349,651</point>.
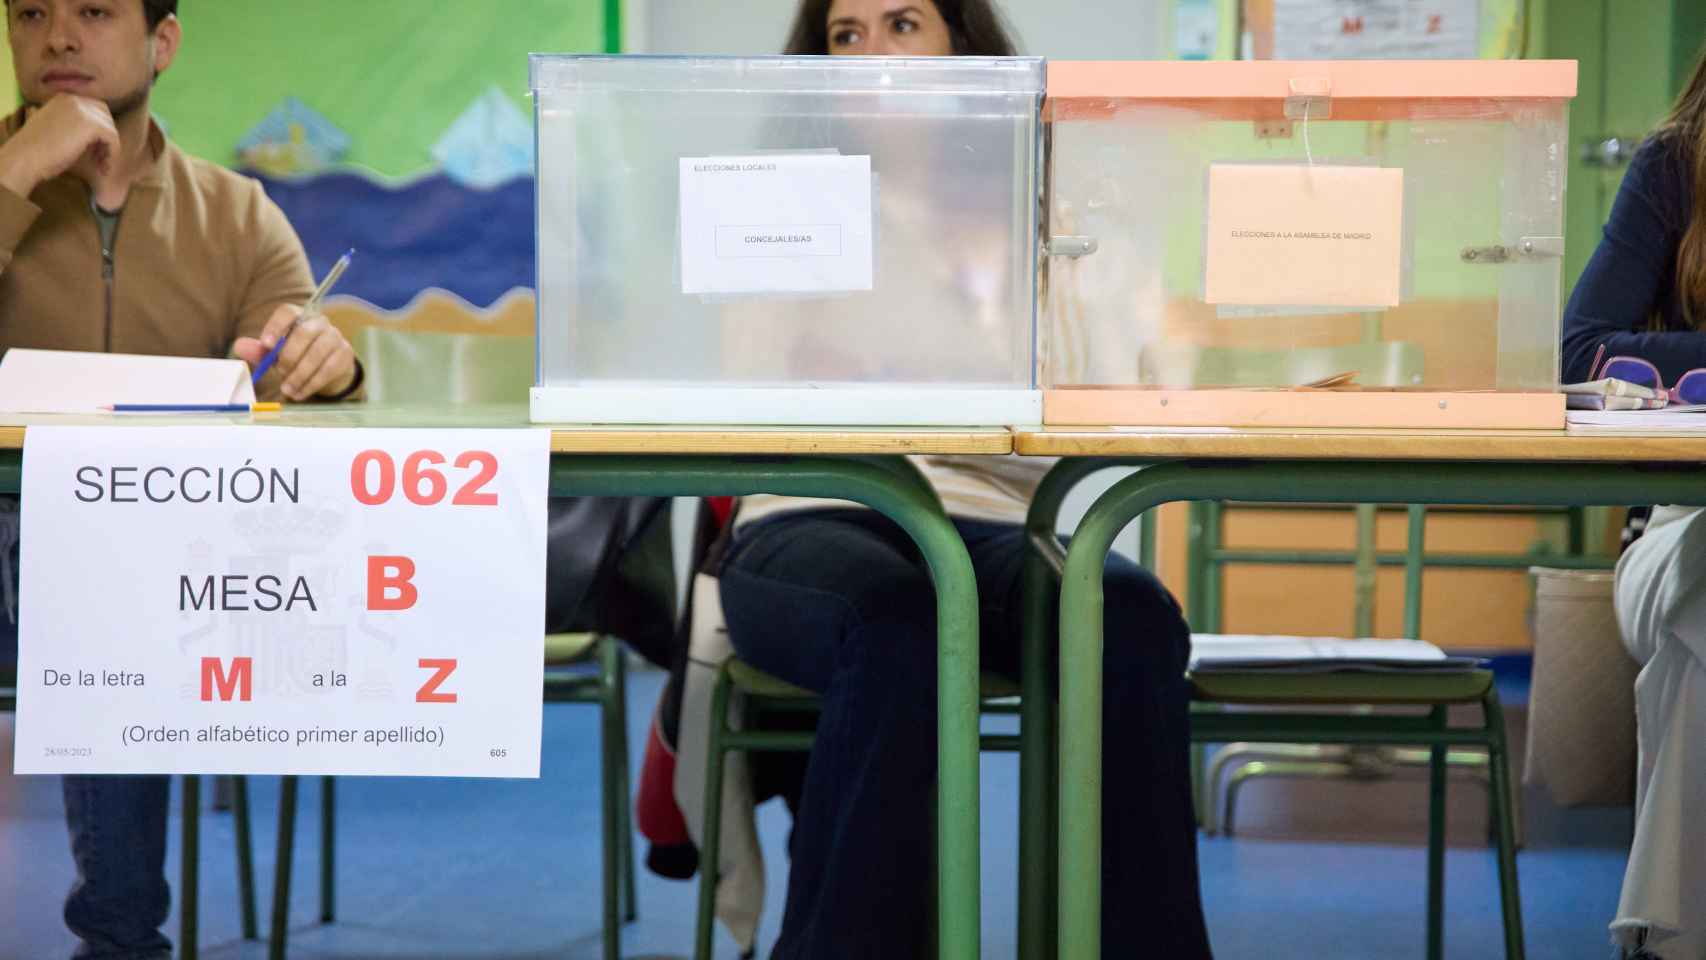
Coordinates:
<point>1379,364</point>
<point>440,350</point>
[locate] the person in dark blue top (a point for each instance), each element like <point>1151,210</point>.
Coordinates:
<point>1644,292</point>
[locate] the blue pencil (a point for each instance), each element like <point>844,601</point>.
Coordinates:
<point>311,306</point>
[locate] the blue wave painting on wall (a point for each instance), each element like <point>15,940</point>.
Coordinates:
<point>431,232</point>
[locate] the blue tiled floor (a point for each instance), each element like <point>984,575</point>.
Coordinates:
<point>484,869</point>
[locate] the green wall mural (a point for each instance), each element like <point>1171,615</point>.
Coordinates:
<point>392,74</point>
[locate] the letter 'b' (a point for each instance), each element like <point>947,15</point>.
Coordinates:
<point>388,586</point>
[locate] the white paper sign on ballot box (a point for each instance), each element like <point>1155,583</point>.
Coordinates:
<point>272,600</point>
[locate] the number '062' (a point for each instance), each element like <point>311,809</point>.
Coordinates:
<point>424,479</point>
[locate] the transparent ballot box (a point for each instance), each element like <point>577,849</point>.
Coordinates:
<point>787,240</point>
<point>1273,243</point>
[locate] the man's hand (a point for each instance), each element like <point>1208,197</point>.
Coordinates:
<point>316,358</point>
<point>68,133</point>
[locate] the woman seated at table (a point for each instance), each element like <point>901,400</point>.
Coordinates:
<point>1637,314</point>
<point>835,598</point>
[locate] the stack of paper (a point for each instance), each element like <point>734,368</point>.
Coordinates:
<point>64,381</point>
<point>1222,653</point>
<point>1689,419</point>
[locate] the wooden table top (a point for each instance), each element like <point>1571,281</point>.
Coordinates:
<point>1330,444</point>
<point>1133,442</point>
<point>608,439</point>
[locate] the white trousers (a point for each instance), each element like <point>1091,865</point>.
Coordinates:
<point>1661,608</point>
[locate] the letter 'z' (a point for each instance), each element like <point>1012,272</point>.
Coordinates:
<point>429,690</point>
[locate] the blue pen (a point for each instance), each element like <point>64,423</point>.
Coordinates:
<point>262,407</point>
<point>312,306</point>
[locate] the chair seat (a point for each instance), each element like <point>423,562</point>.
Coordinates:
<point>1256,687</point>
<point>749,679</point>
<point>567,649</point>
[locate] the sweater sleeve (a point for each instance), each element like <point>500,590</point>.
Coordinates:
<point>17,216</point>
<point>278,274</point>
<point>1625,281</point>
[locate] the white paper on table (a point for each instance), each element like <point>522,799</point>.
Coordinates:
<point>776,224</point>
<point>1212,653</point>
<point>68,381</point>
<point>1683,420</point>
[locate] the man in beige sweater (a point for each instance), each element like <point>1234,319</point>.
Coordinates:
<point>113,240</point>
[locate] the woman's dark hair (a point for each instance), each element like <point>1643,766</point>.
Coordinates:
<point>974,26</point>
<point>1687,126</point>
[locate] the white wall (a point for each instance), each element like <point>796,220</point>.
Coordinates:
<point>1061,29</point>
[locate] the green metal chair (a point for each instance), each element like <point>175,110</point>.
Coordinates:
<point>1435,692</point>
<point>1329,722</point>
<point>764,692</point>
<point>1377,363</point>
<point>189,877</point>
<point>565,682</point>
<point>1207,559</point>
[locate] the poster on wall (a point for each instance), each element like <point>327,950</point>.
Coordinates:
<point>1196,29</point>
<point>1376,29</point>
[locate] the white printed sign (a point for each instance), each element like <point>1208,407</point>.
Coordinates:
<point>1377,29</point>
<point>269,600</point>
<point>782,223</point>
<point>1305,236</point>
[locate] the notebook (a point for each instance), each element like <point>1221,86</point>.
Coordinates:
<point>1222,653</point>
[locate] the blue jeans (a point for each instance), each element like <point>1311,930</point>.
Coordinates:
<point>118,842</point>
<point>839,602</point>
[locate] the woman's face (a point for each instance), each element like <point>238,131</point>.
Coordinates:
<point>888,28</point>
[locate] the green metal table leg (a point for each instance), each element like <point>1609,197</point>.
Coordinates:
<point>1213,573</point>
<point>245,855</point>
<point>611,819</point>
<point>895,488</point>
<point>189,894</point>
<point>1365,570</point>
<point>1539,484</point>
<point>1146,541</point>
<point>1436,843</point>
<point>1498,768</point>
<point>624,791</point>
<point>277,940</point>
<point>711,833</point>
<point>1415,553</point>
<point>1036,761</point>
<point>328,849</point>
<point>1196,566</point>
<point>1039,777</point>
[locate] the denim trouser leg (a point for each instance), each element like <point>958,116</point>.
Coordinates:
<point>118,840</point>
<point>839,602</point>
<point>832,608</point>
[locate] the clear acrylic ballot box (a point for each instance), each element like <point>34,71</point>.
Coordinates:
<point>1296,244</point>
<point>787,240</point>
